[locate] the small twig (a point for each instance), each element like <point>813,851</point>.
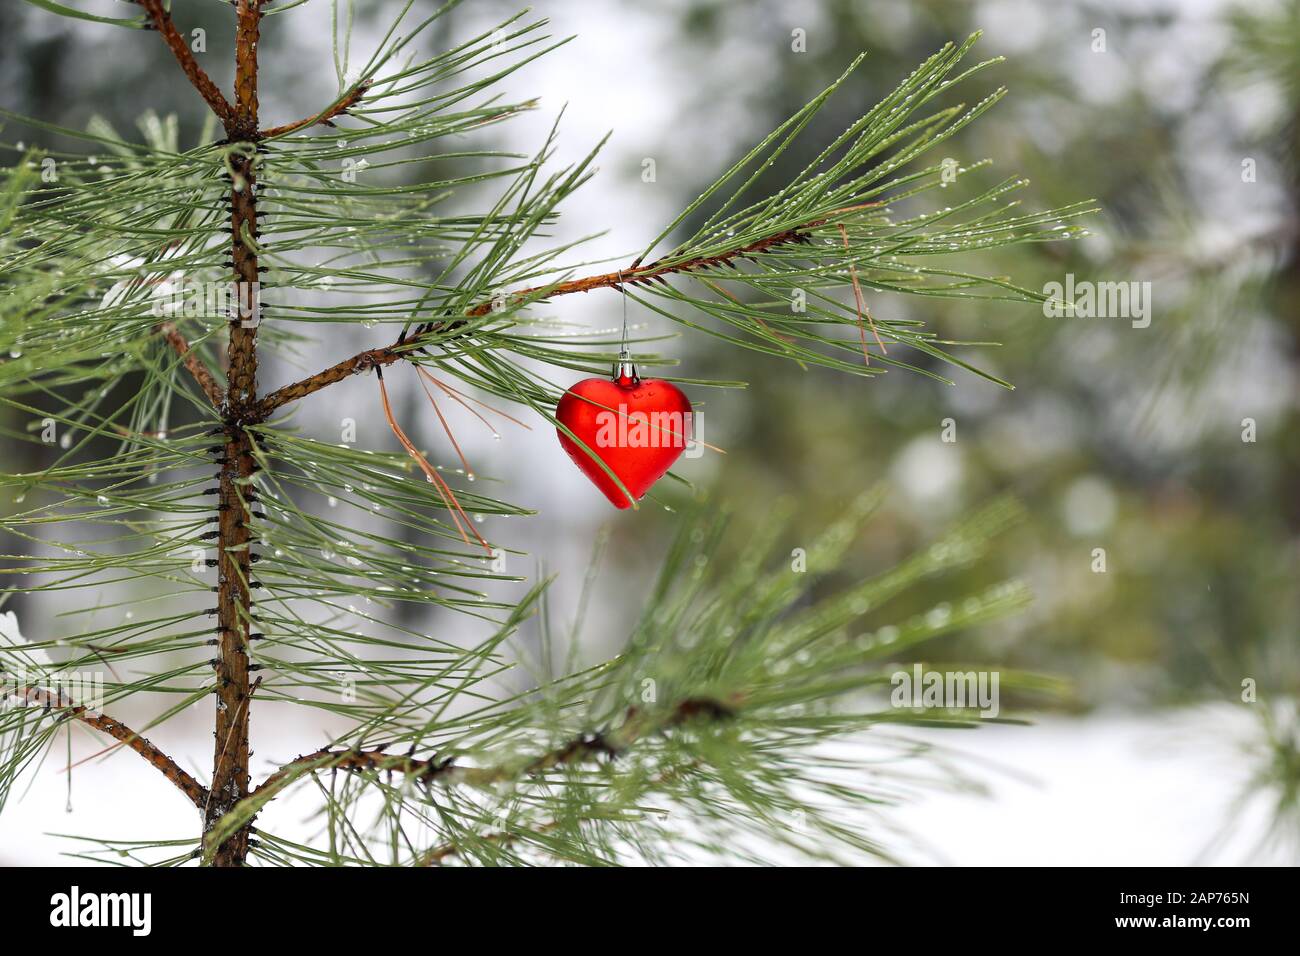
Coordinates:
<point>124,735</point>
<point>636,724</point>
<point>192,362</point>
<point>162,22</point>
<point>338,107</point>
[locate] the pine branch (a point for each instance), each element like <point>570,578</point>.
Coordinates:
<point>192,363</point>
<point>632,276</point>
<point>120,732</point>
<point>636,725</point>
<point>337,108</point>
<point>247,31</point>
<point>610,744</point>
<point>161,20</point>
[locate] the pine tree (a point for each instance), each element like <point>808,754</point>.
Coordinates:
<point>733,679</point>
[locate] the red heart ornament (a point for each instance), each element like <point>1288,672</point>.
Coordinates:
<point>637,428</point>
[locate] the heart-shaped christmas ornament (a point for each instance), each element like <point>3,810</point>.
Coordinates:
<point>636,428</point>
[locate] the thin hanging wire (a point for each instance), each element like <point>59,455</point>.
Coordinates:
<point>623,289</point>
<point>625,365</point>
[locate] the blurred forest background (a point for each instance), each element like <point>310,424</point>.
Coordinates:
<point>1182,119</point>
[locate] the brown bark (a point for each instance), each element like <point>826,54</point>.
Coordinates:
<point>635,725</point>
<point>324,117</point>
<point>234,539</point>
<point>161,21</point>
<point>123,734</point>
<point>230,757</point>
<point>196,368</point>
